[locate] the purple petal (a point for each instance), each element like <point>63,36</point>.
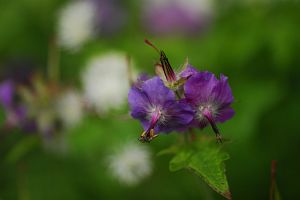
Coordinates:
<point>140,80</point>
<point>189,71</point>
<point>143,77</point>
<point>179,116</point>
<point>157,92</point>
<point>199,87</point>
<point>225,114</point>
<point>222,92</point>
<point>110,16</point>
<point>138,102</point>
<point>6,93</point>
<point>174,19</point>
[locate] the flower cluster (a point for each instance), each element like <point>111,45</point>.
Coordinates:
<point>48,107</point>
<point>37,106</point>
<point>179,101</point>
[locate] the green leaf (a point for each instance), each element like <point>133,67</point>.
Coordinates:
<point>181,160</point>
<point>207,161</point>
<point>21,148</point>
<point>2,116</point>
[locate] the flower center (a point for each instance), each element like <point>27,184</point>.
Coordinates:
<point>155,116</point>
<point>206,111</point>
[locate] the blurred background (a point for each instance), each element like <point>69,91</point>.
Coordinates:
<point>65,68</point>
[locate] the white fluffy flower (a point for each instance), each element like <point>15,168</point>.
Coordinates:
<point>105,81</point>
<point>69,108</point>
<point>76,24</point>
<point>131,164</point>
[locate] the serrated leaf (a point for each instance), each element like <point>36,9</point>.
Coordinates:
<point>207,161</point>
<point>181,160</point>
<point>208,164</point>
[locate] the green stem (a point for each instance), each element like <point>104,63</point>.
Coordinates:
<point>186,138</point>
<point>53,70</point>
<point>177,94</point>
<point>22,181</point>
<point>129,71</point>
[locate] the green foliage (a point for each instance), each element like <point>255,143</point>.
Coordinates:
<point>205,160</point>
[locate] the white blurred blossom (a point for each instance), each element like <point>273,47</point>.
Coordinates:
<point>105,81</point>
<point>131,164</point>
<point>69,108</point>
<point>76,24</point>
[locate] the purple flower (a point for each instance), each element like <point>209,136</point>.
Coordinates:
<point>210,98</point>
<point>176,17</point>
<point>156,107</point>
<point>110,16</point>
<point>16,115</point>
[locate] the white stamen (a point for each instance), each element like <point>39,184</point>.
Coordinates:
<point>154,110</point>
<point>210,107</point>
